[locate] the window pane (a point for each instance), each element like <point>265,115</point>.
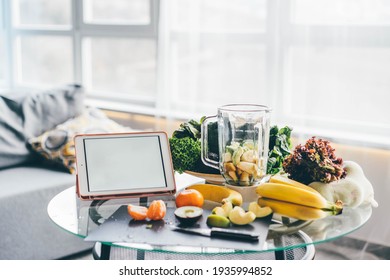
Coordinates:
<point>219,72</point>
<point>226,15</point>
<point>42,12</point>
<point>121,65</point>
<point>335,12</point>
<point>348,84</point>
<point>117,11</point>
<point>45,60</point>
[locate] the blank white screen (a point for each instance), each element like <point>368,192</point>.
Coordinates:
<point>124,163</point>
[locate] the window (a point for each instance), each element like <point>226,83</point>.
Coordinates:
<point>109,46</point>
<point>38,56</point>
<point>216,53</point>
<point>117,12</point>
<point>336,67</point>
<point>322,65</point>
<point>42,13</point>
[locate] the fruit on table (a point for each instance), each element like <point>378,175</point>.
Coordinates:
<point>217,221</point>
<point>219,211</point>
<point>293,194</point>
<point>223,210</point>
<point>259,211</point>
<point>157,210</point>
<point>188,215</point>
<point>238,216</point>
<point>138,213</point>
<point>227,206</point>
<point>217,193</point>
<point>296,211</point>
<point>189,197</point>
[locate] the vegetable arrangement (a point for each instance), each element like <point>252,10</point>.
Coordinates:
<point>315,164</point>
<point>186,148</point>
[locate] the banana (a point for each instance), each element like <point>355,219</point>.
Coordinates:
<point>297,195</point>
<point>218,194</point>
<point>299,212</point>
<point>279,179</point>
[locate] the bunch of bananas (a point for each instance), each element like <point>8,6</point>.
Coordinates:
<point>295,200</point>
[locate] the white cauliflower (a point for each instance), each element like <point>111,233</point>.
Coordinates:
<point>353,190</point>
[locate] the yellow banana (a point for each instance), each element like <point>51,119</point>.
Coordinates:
<point>295,211</point>
<point>218,194</point>
<point>279,179</point>
<point>295,195</point>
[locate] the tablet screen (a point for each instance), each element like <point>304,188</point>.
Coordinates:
<point>130,163</point>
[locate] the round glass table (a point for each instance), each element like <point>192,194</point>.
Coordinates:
<point>286,239</point>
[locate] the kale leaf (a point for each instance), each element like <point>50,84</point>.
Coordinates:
<point>185,153</point>
<point>279,148</point>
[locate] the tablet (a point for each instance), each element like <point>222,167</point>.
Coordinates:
<point>123,165</point>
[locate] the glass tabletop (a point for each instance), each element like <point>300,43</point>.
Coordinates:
<point>82,217</point>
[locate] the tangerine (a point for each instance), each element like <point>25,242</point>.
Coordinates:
<point>189,197</point>
<point>138,213</point>
<point>157,210</point>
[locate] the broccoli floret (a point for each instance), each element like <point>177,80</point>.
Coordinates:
<point>185,153</point>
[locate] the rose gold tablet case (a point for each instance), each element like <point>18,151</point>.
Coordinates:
<point>124,195</point>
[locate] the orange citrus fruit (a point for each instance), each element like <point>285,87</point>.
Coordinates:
<point>157,210</point>
<point>189,197</point>
<point>138,213</point>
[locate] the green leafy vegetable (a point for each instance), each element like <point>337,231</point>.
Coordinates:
<point>279,148</point>
<point>190,129</point>
<point>185,153</point>
<point>186,147</point>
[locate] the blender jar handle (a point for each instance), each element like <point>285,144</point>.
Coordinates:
<point>205,145</point>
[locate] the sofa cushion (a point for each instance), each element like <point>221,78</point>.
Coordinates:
<point>44,110</point>
<point>27,115</point>
<point>57,144</point>
<point>29,178</point>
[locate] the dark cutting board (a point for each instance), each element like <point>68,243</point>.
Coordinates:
<point>120,227</point>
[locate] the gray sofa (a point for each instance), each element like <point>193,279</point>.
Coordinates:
<point>27,182</point>
<point>26,230</point>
